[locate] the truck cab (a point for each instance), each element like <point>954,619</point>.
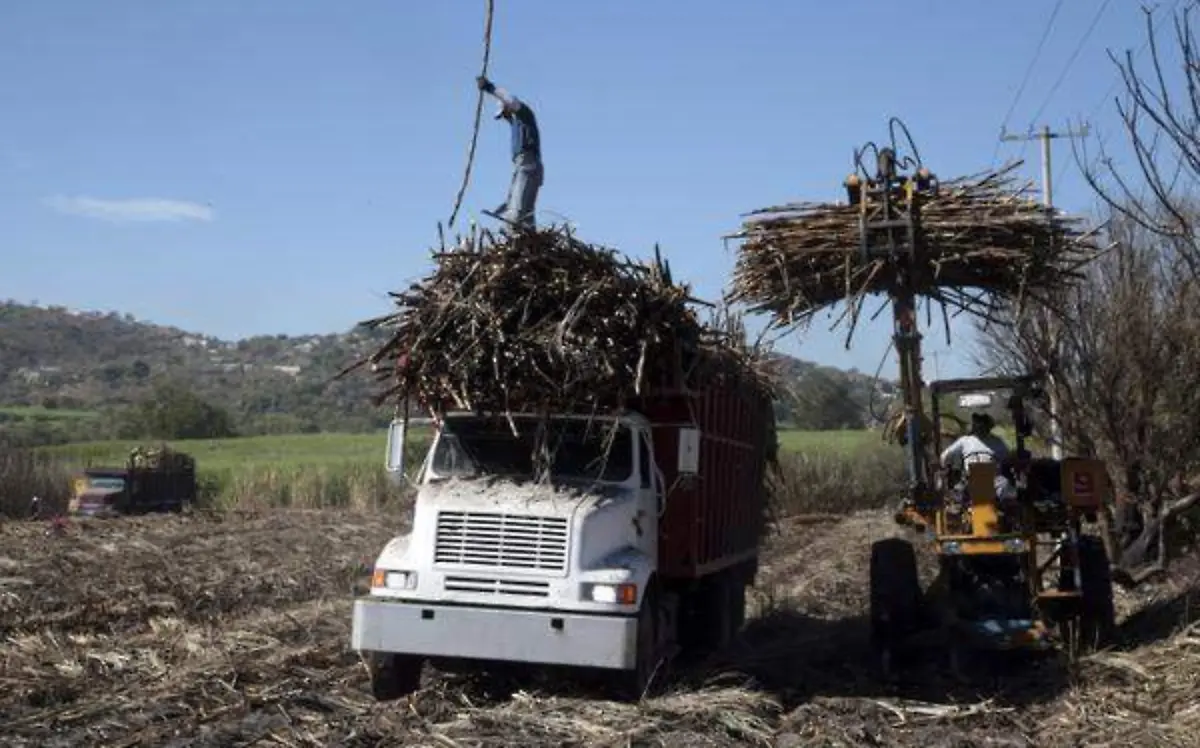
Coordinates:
<point>507,560</point>
<point>98,492</point>
<point>152,480</point>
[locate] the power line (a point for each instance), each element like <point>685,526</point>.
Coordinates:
<point>1117,80</point>
<point>1063,75</point>
<point>1071,61</point>
<point>1045,136</point>
<point>1028,72</point>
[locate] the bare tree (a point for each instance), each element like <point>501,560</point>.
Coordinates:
<point>1159,110</point>
<point>1125,365</point>
<point>1124,356</point>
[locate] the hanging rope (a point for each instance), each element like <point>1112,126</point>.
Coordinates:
<point>487,52</point>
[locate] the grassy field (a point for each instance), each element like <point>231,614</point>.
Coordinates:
<point>34,413</point>
<point>317,450</point>
<point>250,452</point>
<point>824,470</point>
<point>835,442</point>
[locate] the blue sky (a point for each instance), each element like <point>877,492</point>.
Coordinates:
<point>241,167</point>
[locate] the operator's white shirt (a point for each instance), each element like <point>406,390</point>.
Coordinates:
<point>970,449</point>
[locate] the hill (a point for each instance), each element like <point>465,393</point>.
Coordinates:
<point>67,374</point>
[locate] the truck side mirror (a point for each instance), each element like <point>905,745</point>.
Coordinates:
<point>394,459</point>
<point>689,451</point>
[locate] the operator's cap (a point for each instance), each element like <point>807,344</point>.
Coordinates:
<point>984,419</point>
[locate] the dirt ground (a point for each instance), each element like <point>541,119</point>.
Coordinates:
<point>210,631</point>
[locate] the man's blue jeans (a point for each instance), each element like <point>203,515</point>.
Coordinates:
<point>522,193</point>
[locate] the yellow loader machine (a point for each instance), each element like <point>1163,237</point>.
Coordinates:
<point>1015,569</point>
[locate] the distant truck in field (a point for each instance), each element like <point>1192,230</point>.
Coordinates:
<point>156,479</point>
<point>617,565</point>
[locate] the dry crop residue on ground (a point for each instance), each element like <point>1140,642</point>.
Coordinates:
<point>182,631</point>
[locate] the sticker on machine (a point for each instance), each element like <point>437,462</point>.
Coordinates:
<point>1084,486</point>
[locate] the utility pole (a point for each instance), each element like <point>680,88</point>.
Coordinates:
<point>1046,135</point>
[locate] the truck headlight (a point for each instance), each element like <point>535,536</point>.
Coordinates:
<point>394,580</point>
<point>625,594</point>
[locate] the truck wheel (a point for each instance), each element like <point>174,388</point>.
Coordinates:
<point>737,606</point>
<point>631,684</point>
<point>393,675</point>
<point>724,608</point>
<point>716,611</point>
<point>895,597</point>
<point>1098,617</point>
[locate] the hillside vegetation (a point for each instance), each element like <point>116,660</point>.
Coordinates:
<point>69,376</point>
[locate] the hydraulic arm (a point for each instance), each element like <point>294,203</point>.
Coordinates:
<point>890,231</point>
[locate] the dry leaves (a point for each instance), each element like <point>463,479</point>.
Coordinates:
<point>223,630</point>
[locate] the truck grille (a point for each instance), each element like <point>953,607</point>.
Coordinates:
<point>493,539</point>
<point>490,586</point>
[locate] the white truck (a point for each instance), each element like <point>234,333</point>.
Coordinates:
<point>642,542</point>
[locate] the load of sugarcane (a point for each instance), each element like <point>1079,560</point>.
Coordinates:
<point>988,245</point>
<point>159,457</point>
<point>538,321</point>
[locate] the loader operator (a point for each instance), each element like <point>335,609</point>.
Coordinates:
<point>526,154</point>
<point>976,446</point>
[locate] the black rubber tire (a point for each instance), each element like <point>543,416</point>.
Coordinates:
<point>714,612</point>
<point>737,606</point>
<point>725,607</point>
<point>630,685</point>
<point>895,592</point>
<point>1098,617</point>
<point>394,675</point>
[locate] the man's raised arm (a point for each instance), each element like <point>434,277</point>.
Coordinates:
<point>511,103</point>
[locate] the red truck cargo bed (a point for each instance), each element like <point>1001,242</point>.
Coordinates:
<point>716,519</point>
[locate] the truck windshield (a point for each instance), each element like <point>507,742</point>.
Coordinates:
<point>580,450</point>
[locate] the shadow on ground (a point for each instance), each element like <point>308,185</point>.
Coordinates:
<point>794,658</point>
<point>1161,619</point>
<point>797,657</point>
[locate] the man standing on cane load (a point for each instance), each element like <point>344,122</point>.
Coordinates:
<point>527,157</point>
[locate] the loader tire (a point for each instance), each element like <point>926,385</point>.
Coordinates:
<point>394,675</point>
<point>1098,617</point>
<point>895,597</point>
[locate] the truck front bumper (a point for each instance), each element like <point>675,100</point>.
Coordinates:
<point>485,633</point>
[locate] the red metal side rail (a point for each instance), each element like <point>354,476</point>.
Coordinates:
<point>714,520</point>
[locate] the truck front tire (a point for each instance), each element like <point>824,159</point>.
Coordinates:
<point>393,675</point>
<point>630,685</point>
